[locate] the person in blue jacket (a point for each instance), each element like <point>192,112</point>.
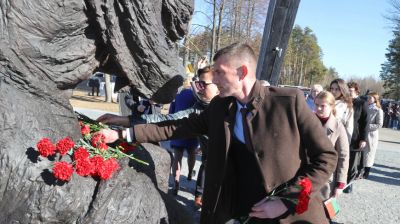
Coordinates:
<point>205,92</point>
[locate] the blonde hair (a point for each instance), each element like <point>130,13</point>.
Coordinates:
<point>329,98</point>
<point>186,82</point>
<point>376,97</point>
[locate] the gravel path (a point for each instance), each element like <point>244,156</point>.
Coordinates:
<point>376,200</point>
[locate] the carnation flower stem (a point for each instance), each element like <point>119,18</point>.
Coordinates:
<point>126,155</point>
<point>106,155</point>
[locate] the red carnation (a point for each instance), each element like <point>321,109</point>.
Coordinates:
<point>81,153</point>
<point>103,146</point>
<point>302,204</point>
<point>306,185</point>
<point>81,123</point>
<point>107,169</point>
<point>85,129</point>
<point>97,162</point>
<point>63,170</point>
<point>304,196</point>
<point>84,167</point>
<point>45,147</point>
<point>64,145</point>
<point>126,147</point>
<point>97,140</point>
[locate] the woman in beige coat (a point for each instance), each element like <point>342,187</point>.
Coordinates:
<point>325,111</point>
<point>374,122</point>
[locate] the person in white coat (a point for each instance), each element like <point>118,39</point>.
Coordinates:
<point>344,105</point>
<point>374,122</point>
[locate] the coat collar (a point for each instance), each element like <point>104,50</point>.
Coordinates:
<point>331,125</point>
<point>257,95</point>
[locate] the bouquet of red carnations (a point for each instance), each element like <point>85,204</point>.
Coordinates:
<point>304,187</point>
<point>91,156</point>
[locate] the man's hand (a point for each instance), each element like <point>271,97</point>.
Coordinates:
<point>141,108</point>
<point>362,144</point>
<point>268,209</point>
<point>110,135</point>
<point>114,120</point>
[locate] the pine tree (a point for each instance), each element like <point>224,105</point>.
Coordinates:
<point>390,73</point>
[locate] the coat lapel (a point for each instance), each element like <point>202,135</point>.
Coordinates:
<point>229,123</point>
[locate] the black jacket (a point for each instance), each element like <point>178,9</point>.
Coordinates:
<point>360,122</point>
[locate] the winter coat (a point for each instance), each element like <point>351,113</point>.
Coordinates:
<point>346,115</point>
<point>374,122</point>
<point>338,136</point>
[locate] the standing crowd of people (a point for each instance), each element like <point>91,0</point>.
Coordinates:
<point>391,115</point>
<point>258,143</point>
<point>361,117</point>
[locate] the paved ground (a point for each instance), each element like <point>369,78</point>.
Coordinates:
<point>376,200</point>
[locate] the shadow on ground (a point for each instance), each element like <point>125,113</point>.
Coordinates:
<point>99,99</point>
<point>390,176</point>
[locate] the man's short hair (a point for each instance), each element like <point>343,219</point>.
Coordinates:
<point>354,85</point>
<point>239,50</point>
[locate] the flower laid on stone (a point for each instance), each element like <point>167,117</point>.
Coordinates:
<point>91,156</point>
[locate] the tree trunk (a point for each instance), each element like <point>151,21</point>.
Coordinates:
<point>233,28</point>
<point>213,29</point>
<point>239,17</point>
<point>221,9</point>
<point>301,72</point>
<point>107,87</point>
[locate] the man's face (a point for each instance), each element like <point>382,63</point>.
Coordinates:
<point>353,93</point>
<point>226,77</point>
<point>315,91</point>
<point>322,108</point>
<point>208,89</point>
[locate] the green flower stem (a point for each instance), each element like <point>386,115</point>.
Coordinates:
<point>129,156</point>
<point>108,155</point>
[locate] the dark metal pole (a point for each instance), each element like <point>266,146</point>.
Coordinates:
<point>278,26</point>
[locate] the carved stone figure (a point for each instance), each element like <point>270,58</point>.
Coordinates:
<point>46,49</point>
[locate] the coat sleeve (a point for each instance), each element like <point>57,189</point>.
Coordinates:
<point>378,123</point>
<point>350,124</point>
<point>189,127</point>
<point>343,150</point>
<point>155,118</point>
<point>362,123</point>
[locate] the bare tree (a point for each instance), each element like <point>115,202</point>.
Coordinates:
<point>219,30</point>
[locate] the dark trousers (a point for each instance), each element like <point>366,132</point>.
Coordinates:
<point>97,90</point>
<point>201,176</point>
<point>356,165</point>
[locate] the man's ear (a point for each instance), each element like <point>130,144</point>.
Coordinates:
<point>244,72</point>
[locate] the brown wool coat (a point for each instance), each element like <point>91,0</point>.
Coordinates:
<point>286,136</point>
<point>337,133</point>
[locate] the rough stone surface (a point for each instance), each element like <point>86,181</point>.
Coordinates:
<point>47,48</point>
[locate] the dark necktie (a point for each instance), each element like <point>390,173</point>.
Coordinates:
<point>244,111</point>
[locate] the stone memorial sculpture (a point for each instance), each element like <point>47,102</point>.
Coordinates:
<point>46,49</point>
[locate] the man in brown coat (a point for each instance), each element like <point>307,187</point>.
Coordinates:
<point>278,141</point>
